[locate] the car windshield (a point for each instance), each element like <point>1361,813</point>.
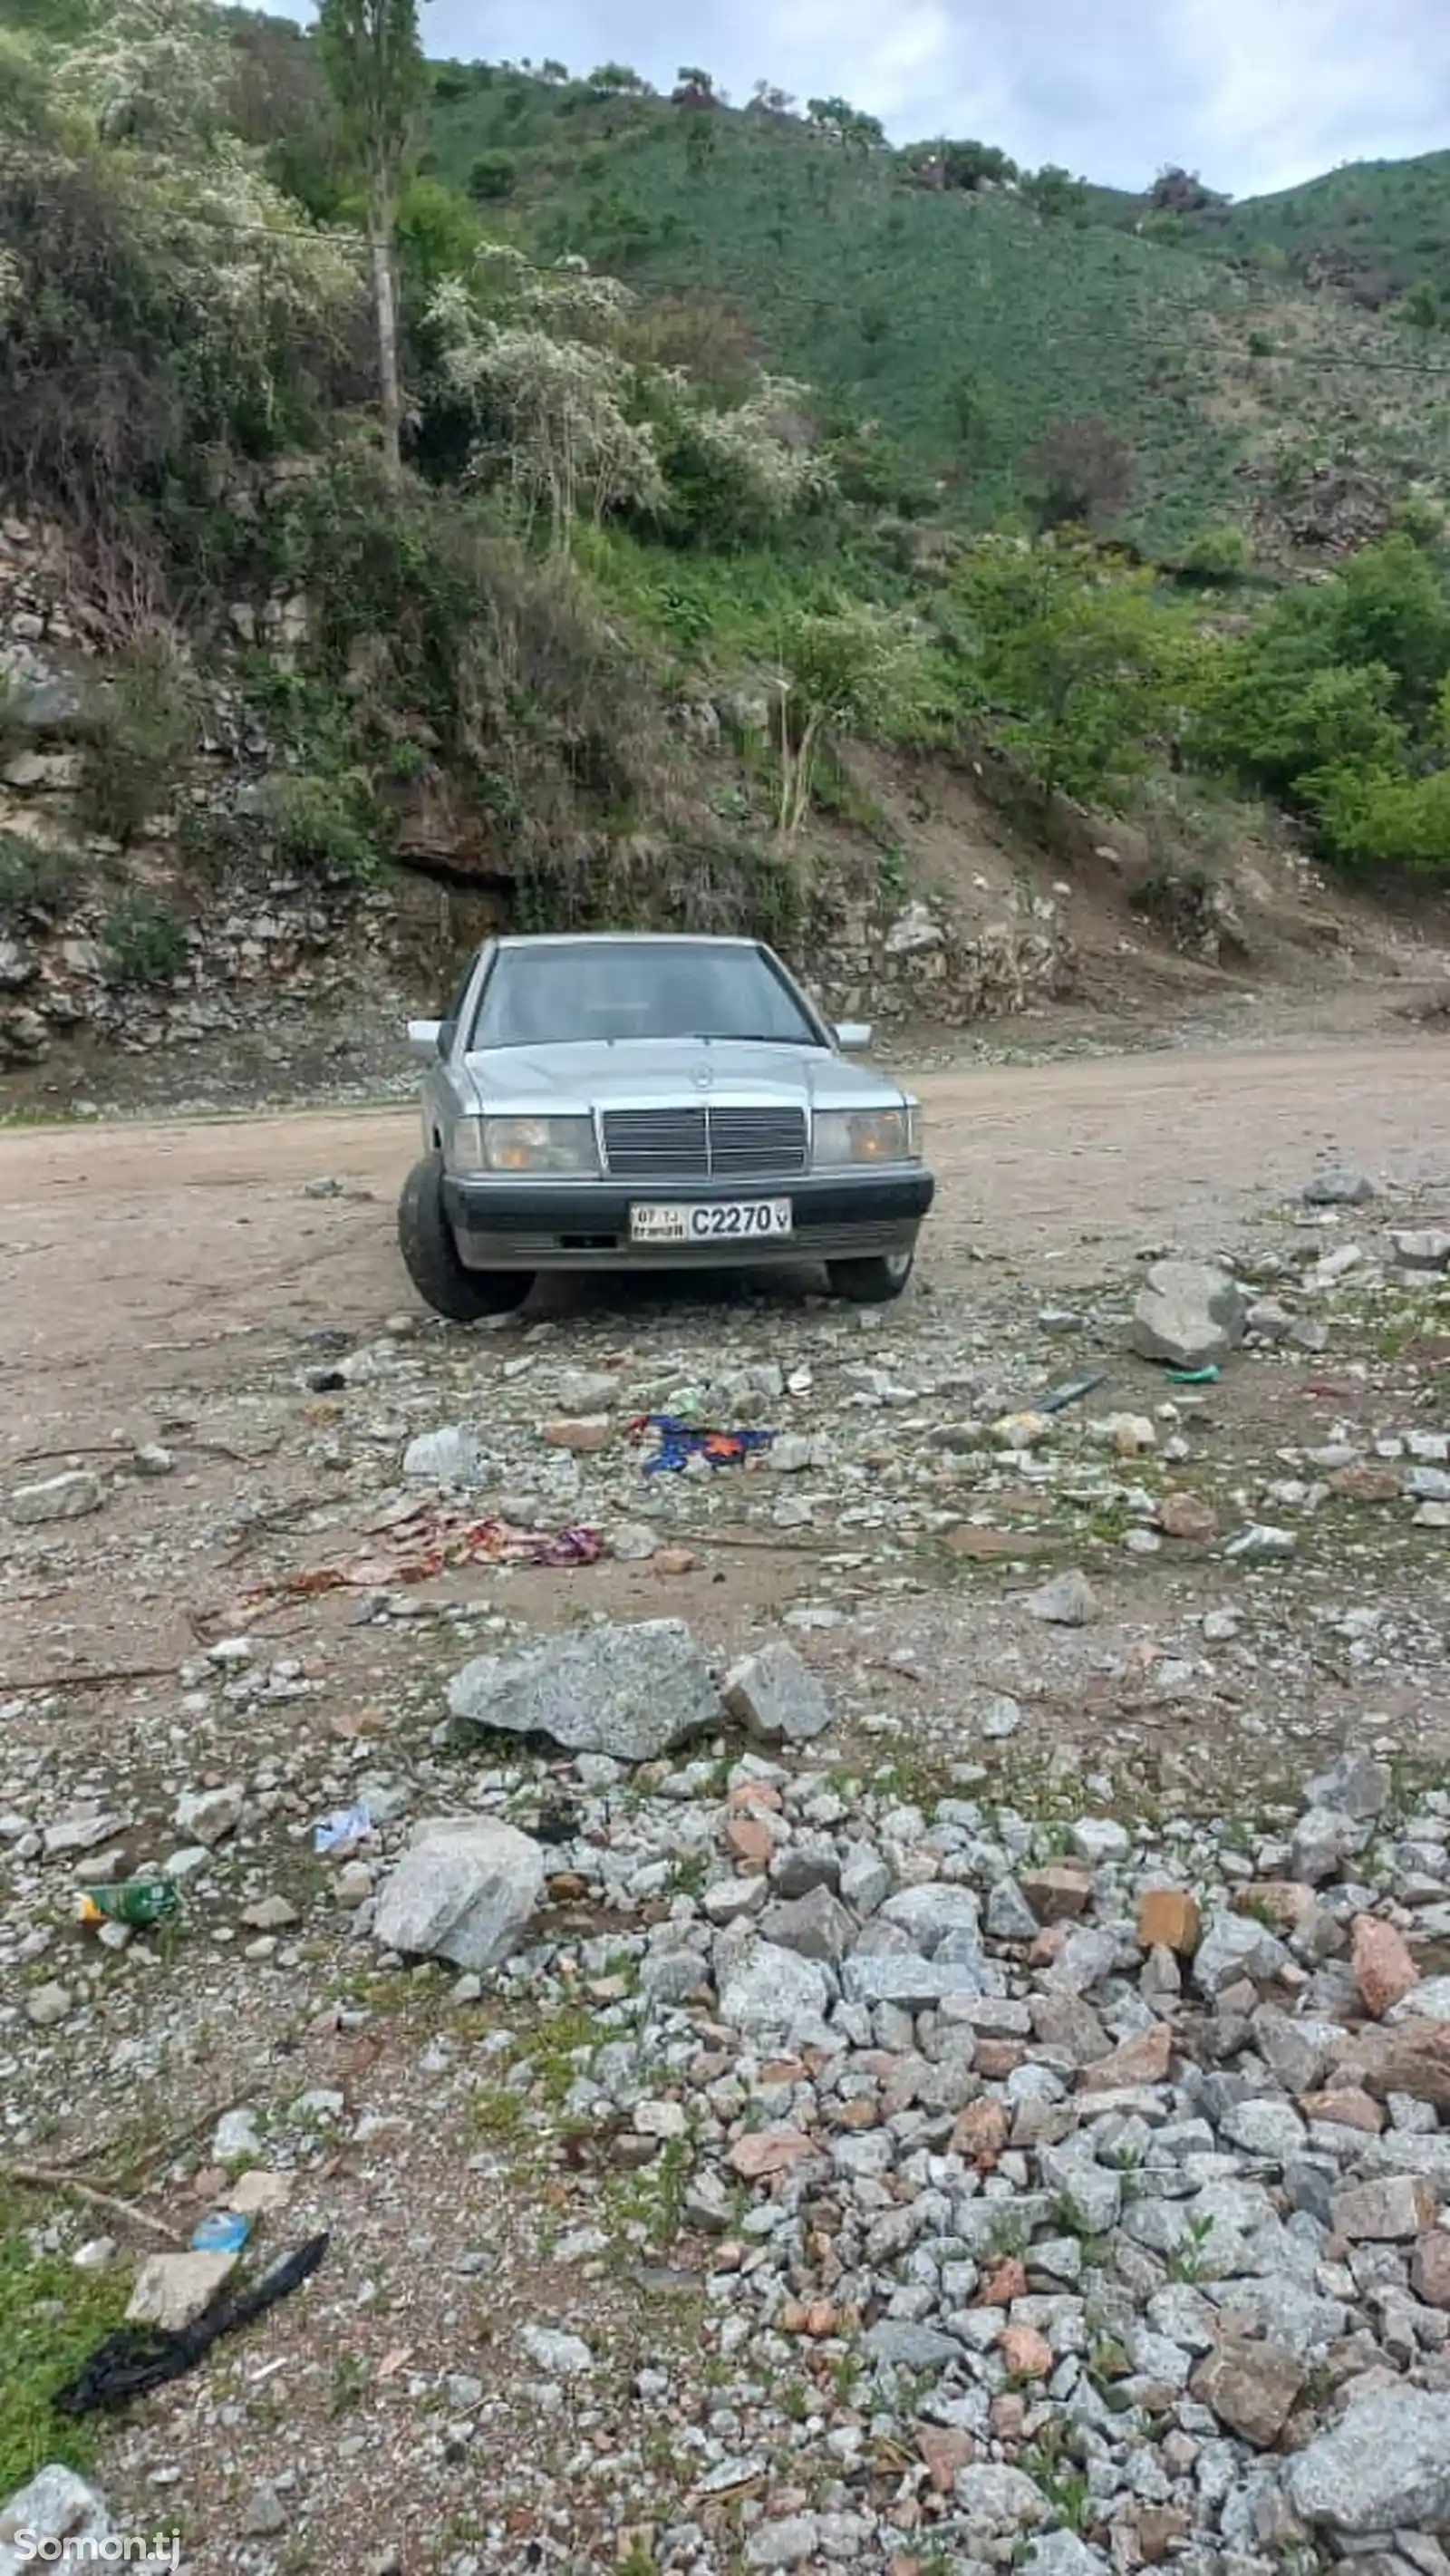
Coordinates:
<point>549,996</point>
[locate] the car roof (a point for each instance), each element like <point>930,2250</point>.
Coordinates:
<point>621,939</point>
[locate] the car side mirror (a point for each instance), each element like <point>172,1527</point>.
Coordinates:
<point>425,1039</point>
<point>853,1037</point>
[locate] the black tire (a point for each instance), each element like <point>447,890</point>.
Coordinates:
<point>875,1280</point>
<point>425,1239</point>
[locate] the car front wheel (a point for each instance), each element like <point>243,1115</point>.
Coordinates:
<point>430,1255</point>
<point>871,1282</point>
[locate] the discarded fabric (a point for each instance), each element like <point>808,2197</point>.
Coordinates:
<point>682,1441</point>
<point>429,1543</point>
<point>137,2358</point>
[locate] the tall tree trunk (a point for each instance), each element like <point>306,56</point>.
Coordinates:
<point>380,243</point>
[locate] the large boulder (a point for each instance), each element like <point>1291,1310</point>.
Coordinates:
<point>627,1691</point>
<point>56,2507</point>
<point>463,1890</point>
<point>1385,2466</point>
<point>1188,1314</point>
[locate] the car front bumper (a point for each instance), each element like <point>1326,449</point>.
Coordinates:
<point>584,1225</point>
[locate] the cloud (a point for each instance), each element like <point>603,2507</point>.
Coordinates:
<point>1257,94</point>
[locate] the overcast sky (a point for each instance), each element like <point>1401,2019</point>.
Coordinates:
<point>1254,93</point>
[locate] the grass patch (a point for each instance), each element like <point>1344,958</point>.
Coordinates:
<point>51,2319</point>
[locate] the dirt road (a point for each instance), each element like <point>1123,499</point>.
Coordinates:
<point>132,1257</point>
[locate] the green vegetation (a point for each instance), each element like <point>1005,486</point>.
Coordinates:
<point>51,2318</point>
<point>696,448</point>
<point>143,941</point>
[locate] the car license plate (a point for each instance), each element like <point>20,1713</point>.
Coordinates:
<point>721,1221</point>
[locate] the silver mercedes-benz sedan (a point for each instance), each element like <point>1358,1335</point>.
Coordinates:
<point>632,1103</point>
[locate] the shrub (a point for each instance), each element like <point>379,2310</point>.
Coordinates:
<point>325,823</point>
<point>143,941</point>
<point>1218,555</point>
<point>144,726</point>
<point>34,880</point>
<point>493,175</point>
<point>1375,818</point>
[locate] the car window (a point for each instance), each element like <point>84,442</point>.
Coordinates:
<point>544,996</point>
<point>454,1012</point>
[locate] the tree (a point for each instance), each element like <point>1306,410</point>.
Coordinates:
<point>492,174</point>
<point>839,122</point>
<point>1078,672</point>
<point>1084,474</point>
<point>373,59</point>
<point>1054,191</point>
<point>853,670</point>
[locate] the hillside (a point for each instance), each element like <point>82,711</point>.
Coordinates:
<point>1383,227</point>
<point>970,324</point>
<point>715,578</point>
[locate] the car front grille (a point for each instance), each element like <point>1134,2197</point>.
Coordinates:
<point>704,1144</point>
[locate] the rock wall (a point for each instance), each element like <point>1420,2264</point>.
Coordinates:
<point>193,929</point>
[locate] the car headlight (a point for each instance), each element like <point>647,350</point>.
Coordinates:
<point>524,1145</point>
<point>867,1136</point>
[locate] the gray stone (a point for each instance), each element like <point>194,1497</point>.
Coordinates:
<point>1061,2553</point>
<point>911,1982</point>
<point>633,1542</point>
<point>910,2347</point>
<point>1096,1839</point>
<point>171,2290</point>
<point>264,2512</point>
<point>1188,1315</point>
<point>1009,1916</point>
<point>1068,1601</point>
<point>770,1989</point>
<point>1425,1250</point>
<point>462,1891</point>
<point>628,1691</point>
<point>1296,2051</point>
<point>775,1695</point>
<point>1090,2193</point>
<point>1384,2466</point>
<point>865,1879</point>
<point>1323,1840</point>
<point>1265,2128</point>
<point>1235,1946</point>
<point>48,2005</point>
<point>58,1498</point>
<point>448,1457</point>
<point>815,1925</point>
<point>929,1913</point>
<point>1356,1785</point>
<point>784,2543</point>
<point>82,1833</point>
<point>54,2507</point>
<point>563,2356</point>
<point>994,2498</point>
<point>798,1867</point>
<point>1336,1186</point>
<point>209,1815</point>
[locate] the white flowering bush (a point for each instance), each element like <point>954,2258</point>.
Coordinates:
<point>576,425</point>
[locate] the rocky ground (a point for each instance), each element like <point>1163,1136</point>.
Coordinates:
<point>937,2058</point>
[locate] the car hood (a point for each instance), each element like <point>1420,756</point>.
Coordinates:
<point>648,1073</point>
